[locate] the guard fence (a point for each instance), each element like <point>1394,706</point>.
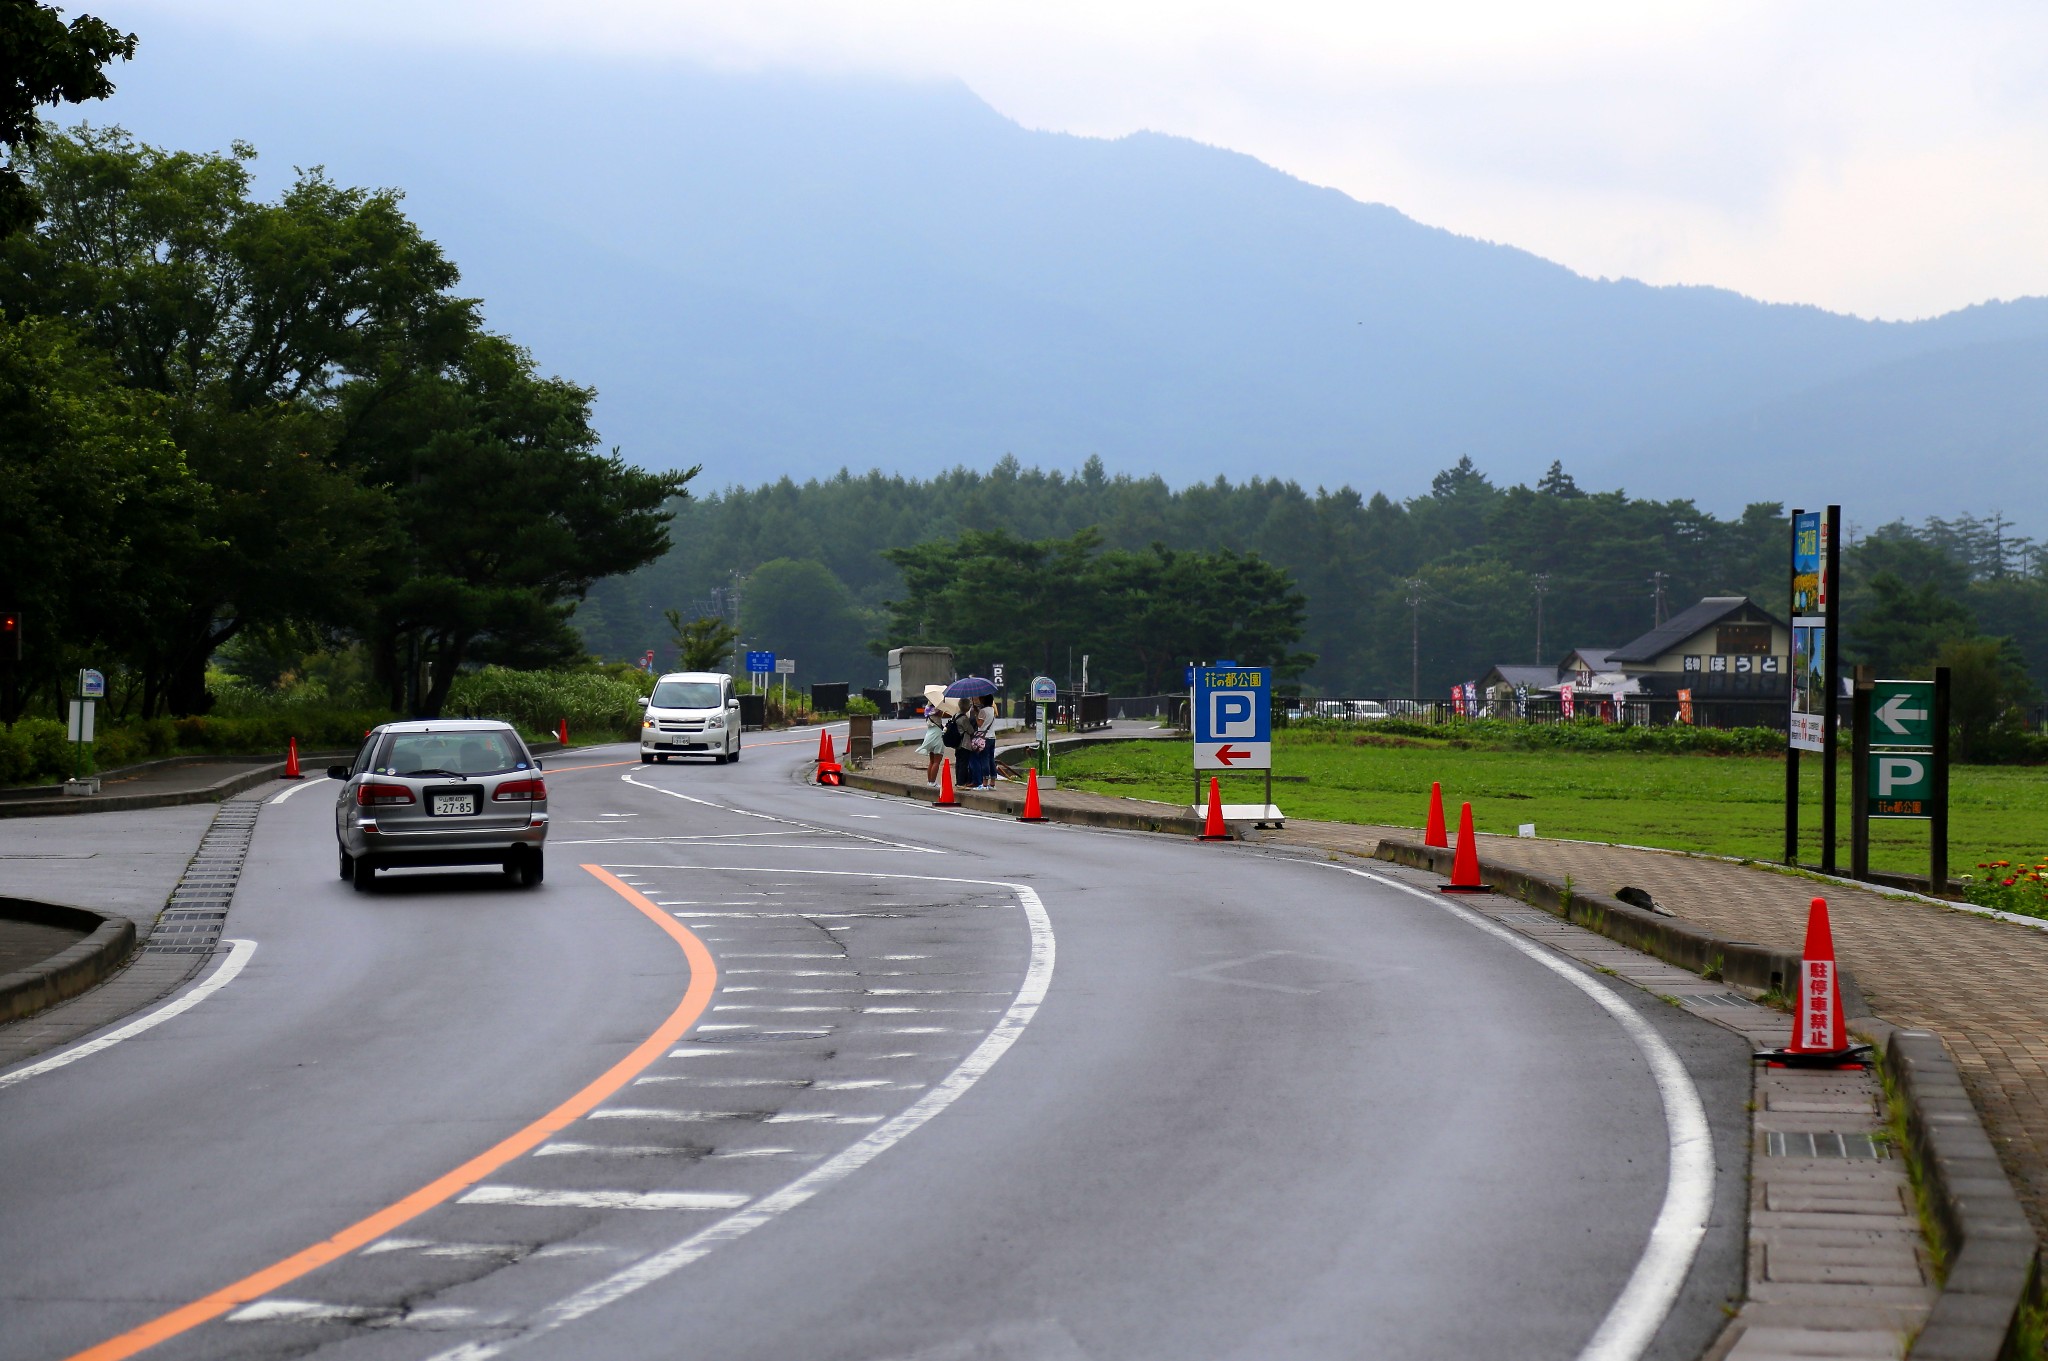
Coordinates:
<point>1636,710</point>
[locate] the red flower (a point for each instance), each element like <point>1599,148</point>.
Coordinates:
<point>2008,883</point>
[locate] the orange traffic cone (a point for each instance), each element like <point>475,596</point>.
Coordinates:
<point>291,762</point>
<point>1820,1033</point>
<point>824,746</point>
<point>1213,828</point>
<point>1465,864</point>
<point>947,798</point>
<point>1031,811</point>
<point>562,732</point>
<point>829,772</point>
<point>1433,833</point>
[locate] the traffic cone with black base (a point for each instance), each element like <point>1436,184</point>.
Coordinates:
<point>1465,863</point>
<point>947,798</point>
<point>829,772</point>
<point>291,762</point>
<point>1213,828</point>
<point>1820,1033</point>
<point>1031,811</point>
<point>1433,833</point>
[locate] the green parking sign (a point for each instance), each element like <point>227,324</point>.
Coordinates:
<point>1901,783</point>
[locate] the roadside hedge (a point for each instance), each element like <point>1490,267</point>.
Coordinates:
<point>593,703</point>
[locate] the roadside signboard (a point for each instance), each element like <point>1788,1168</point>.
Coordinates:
<point>91,685</point>
<point>1233,717</point>
<point>1045,690</point>
<point>760,663</point>
<point>1902,713</point>
<point>1901,783</point>
<point>995,675</point>
<point>785,666</point>
<point>1810,611</point>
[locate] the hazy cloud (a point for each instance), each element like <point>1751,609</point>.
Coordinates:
<point>1880,158</point>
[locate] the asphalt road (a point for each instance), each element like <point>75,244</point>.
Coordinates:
<point>802,1073</point>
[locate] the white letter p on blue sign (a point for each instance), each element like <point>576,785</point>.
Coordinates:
<point>1232,715</point>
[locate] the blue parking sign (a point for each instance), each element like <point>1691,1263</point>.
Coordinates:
<point>1233,717</point>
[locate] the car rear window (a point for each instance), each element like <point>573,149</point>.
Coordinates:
<point>686,695</point>
<point>450,753</point>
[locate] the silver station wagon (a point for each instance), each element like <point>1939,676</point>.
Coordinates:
<point>441,792</point>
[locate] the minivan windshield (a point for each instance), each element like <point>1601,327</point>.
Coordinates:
<point>686,695</point>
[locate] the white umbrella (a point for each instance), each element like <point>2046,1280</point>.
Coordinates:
<point>936,694</point>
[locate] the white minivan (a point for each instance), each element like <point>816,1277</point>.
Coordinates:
<point>691,711</point>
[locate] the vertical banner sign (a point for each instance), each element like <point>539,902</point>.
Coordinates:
<point>1810,588</point>
<point>1816,1006</point>
<point>1472,699</point>
<point>995,674</point>
<point>1564,699</point>
<point>1685,706</point>
<point>1458,700</point>
<point>1233,718</point>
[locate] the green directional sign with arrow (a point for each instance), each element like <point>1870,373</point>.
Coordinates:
<point>1902,713</point>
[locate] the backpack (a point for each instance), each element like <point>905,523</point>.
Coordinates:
<point>951,734</point>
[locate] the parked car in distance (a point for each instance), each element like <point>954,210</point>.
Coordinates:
<point>691,712</point>
<point>458,791</point>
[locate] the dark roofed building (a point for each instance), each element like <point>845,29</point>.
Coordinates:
<point>1726,648</point>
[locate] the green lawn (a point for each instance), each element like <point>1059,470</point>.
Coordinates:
<point>1723,805</point>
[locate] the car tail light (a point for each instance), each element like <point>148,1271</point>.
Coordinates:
<point>370,795</point>
<point>520,791</point>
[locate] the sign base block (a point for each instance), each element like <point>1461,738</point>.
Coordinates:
<point>1855,1056</point>
<point>1464,888</point>
<point>1258,814</point>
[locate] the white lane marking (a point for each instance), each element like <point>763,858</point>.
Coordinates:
<point>812,828</point>
<point>790,954</point>
<point>372,1315</point>
<point>697,1080</point>
<point>1639,1311</point>
<point>762,1153</point>
<point>1037,979</point>
<point>397,1245</point>
<point>672,1117</point>
<point>818,1118</point>
<point>570,1146</point>
<point>701,1053</point>
<point>239,953</point>
<point>293,790</point>
<point>540,1198</point>
<point>792,992</point>
<point>779,1011</point>
<point>748,1026</point>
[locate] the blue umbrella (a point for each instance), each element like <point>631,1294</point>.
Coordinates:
<point>970,685</point>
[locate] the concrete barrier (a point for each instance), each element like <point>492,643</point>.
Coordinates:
<point>108,943</point>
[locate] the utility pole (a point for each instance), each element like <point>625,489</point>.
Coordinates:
<point>739,644</point>
<point>1657,599</point>
<point>1415,637</point>
<point>1541,581</point>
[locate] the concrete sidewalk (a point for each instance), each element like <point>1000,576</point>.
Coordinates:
<point>1979,982</point>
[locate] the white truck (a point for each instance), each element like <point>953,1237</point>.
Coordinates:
<point>911,669</point>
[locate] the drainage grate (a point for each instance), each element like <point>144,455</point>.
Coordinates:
<point>1531,919</point>
<point>1825,1145</point>
<point>1718,999</point>
<point>197,912</point>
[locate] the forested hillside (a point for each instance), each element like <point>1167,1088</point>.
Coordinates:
<point>1461,567</point>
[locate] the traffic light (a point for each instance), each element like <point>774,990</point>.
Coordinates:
<point>10,635</point>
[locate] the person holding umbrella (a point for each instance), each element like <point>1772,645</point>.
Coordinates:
<point>977,731</point>
<point>937,709</point>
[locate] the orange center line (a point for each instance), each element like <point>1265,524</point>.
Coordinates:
<point>703,981</point>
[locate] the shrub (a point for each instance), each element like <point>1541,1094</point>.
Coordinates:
<point>1584,734</point>
<point>2010,886</point>
<point>862,705</point>
<point>594,702</point>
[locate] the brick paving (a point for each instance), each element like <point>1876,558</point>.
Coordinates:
<point>1980,983</point>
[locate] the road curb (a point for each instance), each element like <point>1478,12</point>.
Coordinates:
<point>224,788</point>
<point>109,942</point>
<point>1993,1257</point>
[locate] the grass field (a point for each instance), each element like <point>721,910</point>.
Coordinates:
<point>1722,805</point>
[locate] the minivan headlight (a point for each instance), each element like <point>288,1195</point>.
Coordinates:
<point>646,723</point>
<point>715,721</point>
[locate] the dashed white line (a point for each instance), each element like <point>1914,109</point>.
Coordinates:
<point>1037,979</point>
<point>540,1198</point>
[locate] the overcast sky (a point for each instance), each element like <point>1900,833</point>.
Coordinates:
<point>1885,159</point>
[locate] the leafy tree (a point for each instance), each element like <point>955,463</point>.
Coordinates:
<point>799,608</point>
<point>1987,685</point>
<point>703,644</point>
<point>1898,628</point>
<point>44,61</point>
<point>506,515</point>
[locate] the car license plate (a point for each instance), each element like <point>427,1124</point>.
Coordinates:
<point>456,804</point>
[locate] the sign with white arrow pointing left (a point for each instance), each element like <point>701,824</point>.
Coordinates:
<point>1902,713</point>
